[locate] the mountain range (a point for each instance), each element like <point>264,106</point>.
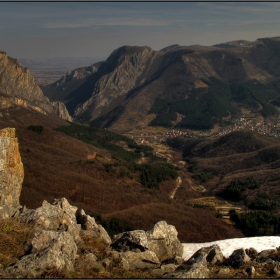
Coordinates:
<point>189,87</point>
<point>109,174</point>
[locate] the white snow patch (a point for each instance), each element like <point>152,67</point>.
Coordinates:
<point>227,246</point>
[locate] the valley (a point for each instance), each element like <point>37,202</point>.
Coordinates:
<point>189,135</point>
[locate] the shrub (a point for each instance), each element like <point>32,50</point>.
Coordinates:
<point>234,191</point>
<point>263,204</point>
<point>113,225</point>
<point>256,223</point>
<point>36,128</point>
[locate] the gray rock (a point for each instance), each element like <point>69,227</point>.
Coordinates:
<point>57,216</point>
<point>158,272</point>
<point>264,255</point>
<point>9,211</point>
<point>195,267</point>
<point>237,259</point>
<point>50,251</point>
<point>162,239</point>
<point>178,260</point>
<point>251,271</point>
<point>106,263</point>
<point>125,71</point>
<point>130,240</point>
<point>60,110</point>
<point>141,260</point>
<point>19,87</point>
<point>89,225</point>
<point>215,255</point>
<point>224,271</point>
<point>90,258</point>
<point>251,252</point>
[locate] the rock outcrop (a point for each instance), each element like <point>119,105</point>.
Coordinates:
<point>51,251</point>
<point>11,168</point>
<point>77,74</point>
<point>122,73</point>
<point>160,239</point>
<point>60,233</point>
<point>17,87</point>
<point>61,111</point>
<point>196,266</point>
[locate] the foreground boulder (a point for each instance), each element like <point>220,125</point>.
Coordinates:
<point>238,258</point>
<point>196,266</point>
<point>160,239</point>
<point>50,251</point>
<point>130,241</point>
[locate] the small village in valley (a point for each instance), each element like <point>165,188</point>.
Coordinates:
<point>246,124</point>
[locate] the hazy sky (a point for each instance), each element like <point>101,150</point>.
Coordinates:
<point>94,29</point>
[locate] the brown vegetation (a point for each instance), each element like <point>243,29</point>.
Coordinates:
<point>238,155</point>
<point>57,165</point>
<point>15,237</point>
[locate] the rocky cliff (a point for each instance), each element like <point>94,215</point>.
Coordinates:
<point>124,91</point>
<point>11,168</point>
<point>128,71</point>
<point>17,87</point>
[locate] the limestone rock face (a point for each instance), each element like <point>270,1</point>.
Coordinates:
<point>78,74</point>
<point>123,72</point>
<point>50,251</point>
<point>61,111</point>
<point>17,87</point>
<point>18,83</point>
<point>11,168</point>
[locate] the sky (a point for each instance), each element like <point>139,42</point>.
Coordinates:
<point>42,30</point>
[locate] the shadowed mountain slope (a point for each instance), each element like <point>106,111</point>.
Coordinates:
<point>237,156</point>
<point>188,87</point>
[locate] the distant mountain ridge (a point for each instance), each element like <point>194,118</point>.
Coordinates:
<point>189,87</point>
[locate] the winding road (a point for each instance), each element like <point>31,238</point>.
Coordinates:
<point>179,182</point>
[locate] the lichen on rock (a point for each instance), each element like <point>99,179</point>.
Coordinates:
<point>11,168</point>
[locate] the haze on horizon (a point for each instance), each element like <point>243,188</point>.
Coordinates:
<point>40,30</point>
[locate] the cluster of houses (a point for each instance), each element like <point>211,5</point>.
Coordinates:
<point>261,127</point>
<point>267,128</point>
<point>150,137</point>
